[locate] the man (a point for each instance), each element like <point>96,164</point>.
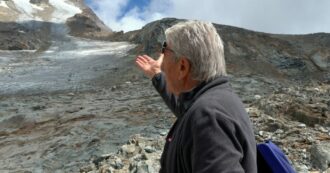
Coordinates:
<point>212,133</point>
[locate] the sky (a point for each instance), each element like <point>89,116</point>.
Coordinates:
<point>271,16</point>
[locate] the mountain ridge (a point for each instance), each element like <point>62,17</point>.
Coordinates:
<point>298,57</point>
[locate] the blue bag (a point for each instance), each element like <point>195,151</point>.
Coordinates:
<point>271,159</point>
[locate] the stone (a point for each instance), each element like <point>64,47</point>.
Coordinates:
<point>253,112</point>
<point>71,94</point>
<point>87,168</point>
<point>279,131</point>
<point>257,97</point>
<point>117,164</point>
<point>163,133</point>
<point>301,168</point>
<point>38,107</point>
<point>320,155</point>
<point>74,109</point>
<point>141,167</point>
<point>302,125</point>
<point>144,156</point>
<point>105,169</point>
<point>321,60</point>
<point>322,129</point>
<point>261,133</point>
<point>128,150</point>
<point>310,139</point>
<point>113,88</point>
<point>285,150</point>
<point>149,149</point>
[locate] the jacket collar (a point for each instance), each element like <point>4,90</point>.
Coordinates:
<point>186,99</point>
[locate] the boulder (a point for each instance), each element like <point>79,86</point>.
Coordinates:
<point>321,59</point>
<point>320,156</point>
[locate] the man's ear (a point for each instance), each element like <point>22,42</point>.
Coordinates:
<point>184,68</point>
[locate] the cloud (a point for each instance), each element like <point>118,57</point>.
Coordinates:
<point>111,13</point>
<point>273,16</point>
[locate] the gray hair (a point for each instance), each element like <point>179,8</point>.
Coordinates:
<point>200,43</point>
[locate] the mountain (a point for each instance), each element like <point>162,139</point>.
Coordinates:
<point>297,57</point>
<point>30,24</point>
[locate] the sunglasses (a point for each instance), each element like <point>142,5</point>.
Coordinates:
<point>164,47</point>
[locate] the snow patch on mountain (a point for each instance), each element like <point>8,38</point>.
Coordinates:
<point>63,10</point>
<point>56,11</point>
<point>3,4</point>
<point>27,10</point>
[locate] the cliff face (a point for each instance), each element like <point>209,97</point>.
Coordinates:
<point>283,57</point>
<point>88,25</point>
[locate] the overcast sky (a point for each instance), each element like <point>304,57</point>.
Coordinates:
<point>272,16</point>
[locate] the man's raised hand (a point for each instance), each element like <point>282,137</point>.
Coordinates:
<point>149,66</point>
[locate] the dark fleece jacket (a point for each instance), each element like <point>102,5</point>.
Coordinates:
<point>212,133</point>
